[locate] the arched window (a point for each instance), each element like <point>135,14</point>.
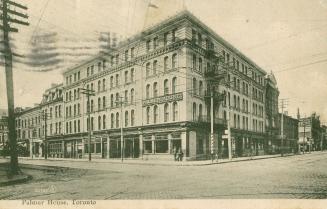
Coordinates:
<point>132,117</point>
<point>155,89</point>
<point>126,76</point>
<point>147,69</point>
<point>126,96</point>
<point>132,95</point>
<point>155,114</point>
<point>111,100</point>
<point>117,80</point>
<point>173,85</point>
<point>103,84</point>
<point>175,111</point>
<point>126,118</point>
<point>111,82</point>
<point>147,91</point>
<point>194,62</point>
<point>166,87</point>
<point>194,86</point>
<point>225,115</point>
<point>117,100</point>
<point>208,67</point>
<point>104,102</point>
<point>132,75</point>
<point>99,103</point>
<point>104,122</point>
<point>174,61</point>
<point>194,111</point>
<point>155,64</point>
<point>99,122</point>
<point>112,120</point>
<point>117,120</point>
<point>200,112</point>
<point>92,105</point>
<point>147,115</point>
<point>99,85</point>
<point>200,88</point>
<point>166,112</point>
<point>165,64</point>
<point>200,64</point>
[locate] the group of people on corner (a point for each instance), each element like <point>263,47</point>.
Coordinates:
<point>178,154</point>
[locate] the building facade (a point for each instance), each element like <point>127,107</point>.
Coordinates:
<point>272,118</point>
<point>289,144</point>
<point>154,89</point>
<point>310,137</point>
<point>3,132</point>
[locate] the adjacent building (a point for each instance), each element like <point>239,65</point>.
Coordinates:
<point>3,131</point>
<point>289,142</point>
<point>310,135</point>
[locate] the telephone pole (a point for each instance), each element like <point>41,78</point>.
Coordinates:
<point>282,105</point>
<point>45,118</point>
<point>7,18</point>
<point>88,93</point>
<point>120,103</point>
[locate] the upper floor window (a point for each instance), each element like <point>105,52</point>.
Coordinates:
<point>148,45</point>
<point>194,61</point>
<point>117,59</point>
<point>111,82</point>
<point>175,111</point>
<point>126,76</point>
<point>173,35</point>
<point>194,86</point>
<point>174,61</point>
<point>166,112</point>
<point>126,55</point>
<point>147,115</point>
<point>147,69</point>
<point>99,85</point>
<point>147,95</point>
<point>166,63</point>
<point>166,38</point>
<point>155,43</point>
<point>200,39</point>
<point>193,36</point>
<point>132,52</point>
<point>154,68</point>
<point>117,80</point>
<point>194,111</point>
<point>200,88</point>
<point>166,87</point>
<point>200,64</point>
<point>126,118</point>
<point>174,85</point>
<point>132,117</point>
<point>155,114</point>
<point>99,66</point>
<point>132,75</point>
<point>132,95</point>
<point>87,73</point>
<point>155,89</point>
<point>104,84</point>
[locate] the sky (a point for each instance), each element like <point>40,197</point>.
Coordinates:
<point>287,38</point>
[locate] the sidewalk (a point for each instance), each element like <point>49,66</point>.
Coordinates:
<point>6,181</point>
<point>27,160</point>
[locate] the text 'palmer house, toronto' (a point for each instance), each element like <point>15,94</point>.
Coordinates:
<point>157,85</point>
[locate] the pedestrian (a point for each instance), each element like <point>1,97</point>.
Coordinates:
<point>179,154</point>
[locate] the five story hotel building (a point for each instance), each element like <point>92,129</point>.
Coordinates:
<point>155,86</point>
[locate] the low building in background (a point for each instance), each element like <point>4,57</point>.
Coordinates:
<point>310,135</point>
<point>289,143</point>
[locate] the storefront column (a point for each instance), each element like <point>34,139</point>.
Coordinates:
<point>108,147</point>
<point>83,148</point>
<point>169,144</point>
<point>153,145</point>
<point>183,144</point>
<point>63,149</point>
<point>101,146</point>
<point>31,149</point>
<point>141,143</point>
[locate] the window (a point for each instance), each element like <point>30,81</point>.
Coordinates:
<point>194,86</point>
<point>166,39</point>
<point>117,99</point>
<point>174,61</point>
<point>126,55</point>
<point>92,105</point>
<point>103,102</point>
<point>175,111</point>
<point>117,80</point>
<point>147,115</point>
<point>132,95</point>
<point>132,117</point>
<point>99,103</point>
<point>92,69</point>
<point>99,66</point>
<point>117,59</point>
<point>166,87</point>
<point>200,88</point>
<point>155,114</point>
<point>132,52</point>
<point>154,69</point>
<point>200,64</point>
<point>132,75</point>
<point>99,122</point>
<point>112,120</point>
<point>111,100</point>
<point>173,35</point>
<point>147,95</point>
<point>194,111</point>
<point>126,118</point>
<point>148,45</point>
<point>165,64</point>
<point>111,82</point>
<point>193,36</point>
<point>117,120</point>
<point>200,39</point>
<point>174,85</point>
<point>155,89</point>
<point>166,112</point>
<point>200,111</point>
<point>161,146</point>
<point>104,84</point>
<point>92,123</point>
<point>87,73</point>
<point>104,64</point>
<point>99,85</point>
<point>194,62</point>
<point>126,96</point>
<point>155,42</point>
<point>126,76</point>
<point>147,69</point>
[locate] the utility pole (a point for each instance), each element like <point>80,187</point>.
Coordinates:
<point>45,118</point>
<point>122,150</point>
<point>7,18</point>
<point>283,105</point>
<point>88,93</point>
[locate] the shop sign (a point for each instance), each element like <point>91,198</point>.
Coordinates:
<point>163,99</point>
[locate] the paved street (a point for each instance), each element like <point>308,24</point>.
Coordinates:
<point>300,176</point>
